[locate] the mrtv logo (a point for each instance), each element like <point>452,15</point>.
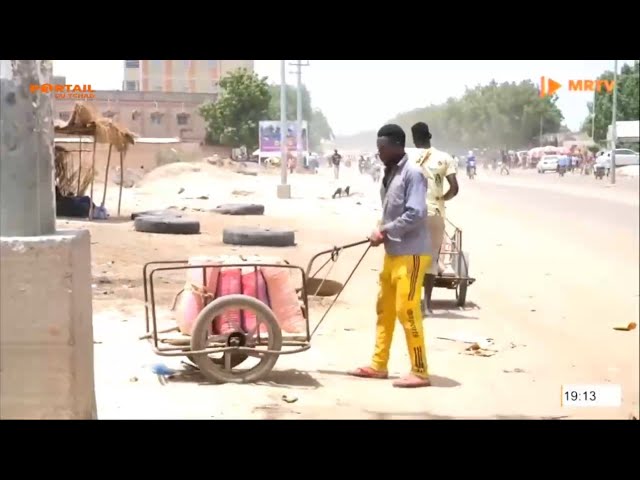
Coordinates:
<point>549,86</point>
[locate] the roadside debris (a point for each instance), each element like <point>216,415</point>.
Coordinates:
<point>481,349</point>
<point>241,193</point>
<point>515,370</point>
<point>163,372</point>
<point>288,399</point>
<point>626,328</point>
<point>480,346</point>
<point>467,338</point>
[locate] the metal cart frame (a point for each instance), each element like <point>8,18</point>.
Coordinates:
<point>460,263</point>
<point>236,346</point>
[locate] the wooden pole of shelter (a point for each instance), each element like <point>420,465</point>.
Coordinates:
<point>93,169</point>
<point>121,179</point>
<point>79,165</point>
<point>106,176</point>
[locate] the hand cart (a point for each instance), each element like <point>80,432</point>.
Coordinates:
<point>236,347</point>
<point>460,279</point>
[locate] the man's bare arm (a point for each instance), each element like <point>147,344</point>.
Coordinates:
<point>453,187</point>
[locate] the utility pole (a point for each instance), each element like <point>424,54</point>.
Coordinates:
<point>299,65</point>
<point>593,115</point>
<point>614,115</point>
<point>541,123</point>
<point>284,189</point>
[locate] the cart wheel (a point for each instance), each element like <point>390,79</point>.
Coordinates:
<point>236,359</point>
<point>222,371</point>
<point>461,289</point>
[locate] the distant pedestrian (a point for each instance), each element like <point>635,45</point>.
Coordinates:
<point>336,158</point>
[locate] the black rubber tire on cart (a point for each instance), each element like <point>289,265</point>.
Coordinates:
<point>461,289</point>
<point>216,372</point>
<point>240,209</point>
<point>253,236</point>
<point>236,359</point>
<point>167,224</point>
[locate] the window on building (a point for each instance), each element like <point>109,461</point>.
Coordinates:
<point>212,63</point>
<point>156,118</point>
<point>183,118</point>
<point>64,116</point>
<point>131,85</point>
<point>135,115</point>
<point>132,63</point>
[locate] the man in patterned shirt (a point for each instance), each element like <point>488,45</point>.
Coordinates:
<point>436,166</point>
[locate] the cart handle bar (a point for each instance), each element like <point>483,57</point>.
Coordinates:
<point>335,299</point>
<point>335,251</point>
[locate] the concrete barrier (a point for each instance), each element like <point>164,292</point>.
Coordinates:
<point>46,331</point>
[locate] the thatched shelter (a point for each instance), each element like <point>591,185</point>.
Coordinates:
<point>68,179</point>
<point>85,123</point>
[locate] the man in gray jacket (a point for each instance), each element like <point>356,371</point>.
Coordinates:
<point>407,247</point>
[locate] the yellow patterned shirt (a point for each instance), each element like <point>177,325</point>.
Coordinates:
<point>436,165</point>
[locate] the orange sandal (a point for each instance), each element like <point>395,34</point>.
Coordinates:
<point>368,372</point>
<point>412,381</point>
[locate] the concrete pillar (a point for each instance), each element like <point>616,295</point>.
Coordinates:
<point>27,196</point>
<point>46,332</point>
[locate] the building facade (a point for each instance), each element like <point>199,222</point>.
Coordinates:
<point>192,76</point>
<point>147,114</point>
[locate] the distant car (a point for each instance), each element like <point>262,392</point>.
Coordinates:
<point>548,163</point>
<point>624,157</point>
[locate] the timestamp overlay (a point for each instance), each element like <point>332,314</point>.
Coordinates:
<point>603,395</point>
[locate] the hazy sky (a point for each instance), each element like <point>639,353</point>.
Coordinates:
<point>358,95</point>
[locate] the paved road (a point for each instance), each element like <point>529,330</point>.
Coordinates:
<point>557,266</point>
<point>547,179</point>
<point>576,206</point>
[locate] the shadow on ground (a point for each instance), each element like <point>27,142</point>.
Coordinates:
<point>291,378</point>
<point>436,380</point>
<point>450,305</point>
<point>111,220</point>
<point>451,315</point>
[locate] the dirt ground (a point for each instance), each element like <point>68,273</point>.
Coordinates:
<point>550,288</point>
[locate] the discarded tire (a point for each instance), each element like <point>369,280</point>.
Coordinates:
<point>166,224</point>
<point>263,237</point>
<point>240,209</point>
<point>156,213</point>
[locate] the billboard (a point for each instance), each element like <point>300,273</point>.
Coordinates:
<point>270,136</point>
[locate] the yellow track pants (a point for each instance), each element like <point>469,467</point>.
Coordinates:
<point>399,297</point>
